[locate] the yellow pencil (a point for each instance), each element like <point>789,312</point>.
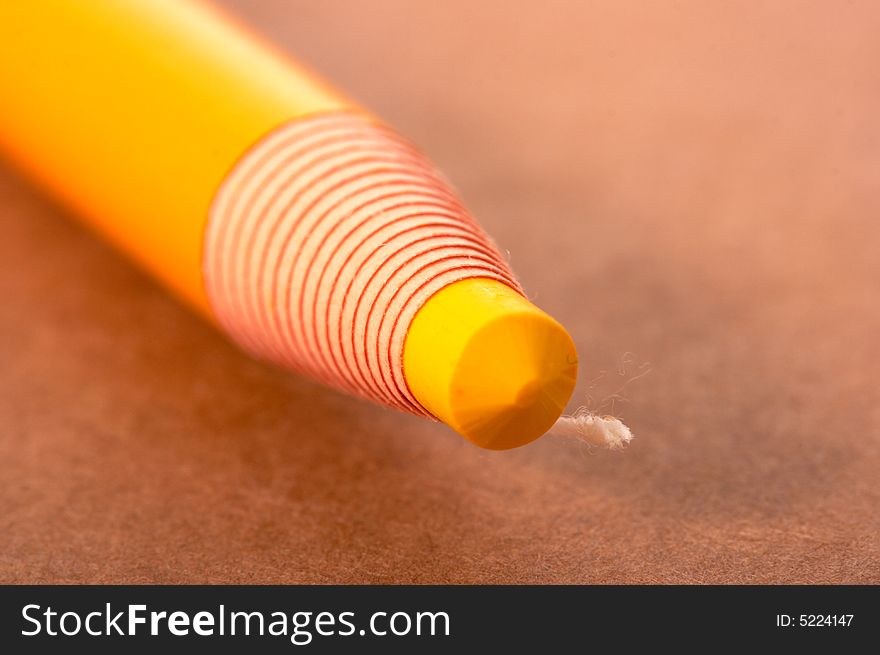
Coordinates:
<point>312,234</point>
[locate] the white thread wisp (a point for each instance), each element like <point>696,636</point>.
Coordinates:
<point>585,426</point>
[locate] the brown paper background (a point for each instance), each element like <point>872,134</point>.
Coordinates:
<point>694,182</point>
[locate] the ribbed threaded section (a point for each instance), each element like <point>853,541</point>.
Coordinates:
<point>323,242</point>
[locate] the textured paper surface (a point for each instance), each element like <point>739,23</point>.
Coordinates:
<point>694,182</point>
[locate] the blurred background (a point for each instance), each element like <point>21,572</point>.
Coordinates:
<point>694,184</point>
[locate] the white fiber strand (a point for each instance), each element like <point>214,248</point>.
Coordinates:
<point>588,427</point>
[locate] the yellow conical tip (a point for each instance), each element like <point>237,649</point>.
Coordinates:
<point>488,363</point>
